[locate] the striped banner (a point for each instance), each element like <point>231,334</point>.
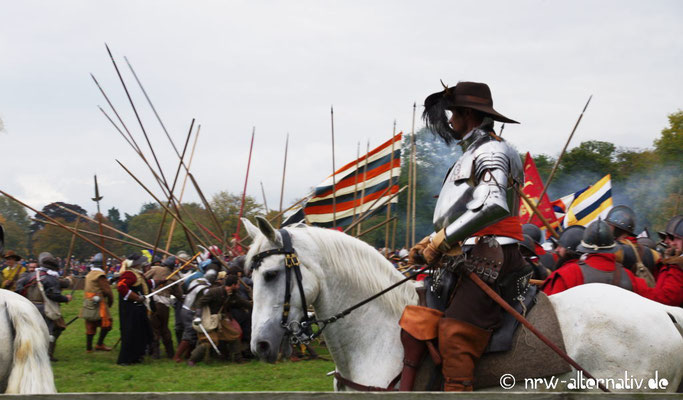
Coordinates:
<point>357,186</point>
<point>594,202</point>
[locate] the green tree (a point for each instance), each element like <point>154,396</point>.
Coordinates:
<point>15,236</point>
<point>52,210</point>
<point>114,216</point>
<point>16,224</point>
<point>227,208</point>
<point>669,146</point>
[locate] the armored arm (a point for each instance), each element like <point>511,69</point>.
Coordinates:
<point>489,204</point>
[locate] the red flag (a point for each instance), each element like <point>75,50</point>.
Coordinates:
<point>533,186</point>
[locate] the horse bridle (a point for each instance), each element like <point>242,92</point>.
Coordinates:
<point>299,331</point>
<point>302,331</point>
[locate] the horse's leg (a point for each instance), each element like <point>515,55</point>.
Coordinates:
<point>6,351</point>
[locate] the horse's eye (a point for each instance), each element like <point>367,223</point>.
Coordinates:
<point>270,275</point>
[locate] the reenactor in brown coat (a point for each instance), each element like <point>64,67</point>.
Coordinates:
<point>98,298</point>
<point>160,316</point>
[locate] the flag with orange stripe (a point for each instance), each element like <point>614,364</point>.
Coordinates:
<point>356,186</point>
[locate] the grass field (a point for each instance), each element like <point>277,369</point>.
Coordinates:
<point>78,371</point>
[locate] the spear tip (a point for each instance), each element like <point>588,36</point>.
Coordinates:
<point>414,104</point>
<point>109,52</point>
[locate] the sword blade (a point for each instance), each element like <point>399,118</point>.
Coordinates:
<point>210,341</point>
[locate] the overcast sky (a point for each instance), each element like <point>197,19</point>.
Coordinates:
<point>280,65</point>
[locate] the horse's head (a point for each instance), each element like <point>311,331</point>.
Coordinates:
<point>268,335</point>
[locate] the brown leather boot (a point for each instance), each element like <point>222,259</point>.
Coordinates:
<point>183,346</point>
<point>460,344</point>
<point>413,350</point>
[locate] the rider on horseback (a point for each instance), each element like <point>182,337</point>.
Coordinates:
<point>478,208</point>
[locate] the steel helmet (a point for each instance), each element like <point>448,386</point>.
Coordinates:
<point>622,217</point>
<point>671,227</point>
<point>571,237</point>
<point>533,231</point>
<point>597,238</point>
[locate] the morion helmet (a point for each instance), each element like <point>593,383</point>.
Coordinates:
<point>622,217</point>
<point>571,237</point>
<point>533,231</point>
<point>671,227</point>
<point>597,238</point>
<point>47,260</point>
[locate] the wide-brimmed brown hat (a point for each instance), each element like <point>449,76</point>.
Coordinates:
<point>474,95</point>
<point>11,255</point>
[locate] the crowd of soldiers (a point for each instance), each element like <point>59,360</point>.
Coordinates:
<point>609,251</point>
<point>210,297</point>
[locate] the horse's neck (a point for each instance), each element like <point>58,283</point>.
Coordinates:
<point>365,345</point>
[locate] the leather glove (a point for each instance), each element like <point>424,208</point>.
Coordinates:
<point>436,248</point>
<point>415,255</point>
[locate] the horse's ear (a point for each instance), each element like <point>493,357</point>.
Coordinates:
<point>267,229</point>
<point>252,230</point>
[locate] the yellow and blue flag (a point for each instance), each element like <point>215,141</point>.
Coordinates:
<point>594,202</point>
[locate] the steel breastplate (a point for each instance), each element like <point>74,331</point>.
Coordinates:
<point>459,187</point>
<point>194,292</point>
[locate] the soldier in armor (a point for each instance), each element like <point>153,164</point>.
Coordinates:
<point>545,258</point>
<point>162,300</point>
<point>98,298</point>
<point>528,247</point>
<point>44,288</point>
<point>598,265</point>
<point>181,258</point>
<point>567,245</point>
<point>637,258</point>
<point>669,273</point>
<point>667,236</point>
<point>476,218</point>
<point>136,333</point>
<point>221,300</point>
<point>195,290</point>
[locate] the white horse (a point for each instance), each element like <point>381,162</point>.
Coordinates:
<point>24,339</point>
<point>607,330</point>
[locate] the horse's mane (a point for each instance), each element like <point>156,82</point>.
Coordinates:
<point>359,265</point>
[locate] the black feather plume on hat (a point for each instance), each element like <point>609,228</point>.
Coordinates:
<point>434,116</point>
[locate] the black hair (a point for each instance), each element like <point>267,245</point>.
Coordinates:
<point>230,280</point>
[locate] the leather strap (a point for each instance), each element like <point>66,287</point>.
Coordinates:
<point>363,388</point>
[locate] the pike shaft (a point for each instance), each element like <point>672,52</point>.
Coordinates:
<point>284,170</point>
<point>182,189</point>
<point>113,239</point>
<point>334,178</point>
<point>246,180</point>
<point>564,150</point>
<point>175,180</point>
<point>61,225</point>
<point>137,116</point>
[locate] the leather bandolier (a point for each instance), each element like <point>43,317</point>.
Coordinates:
<point>638,259</point>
